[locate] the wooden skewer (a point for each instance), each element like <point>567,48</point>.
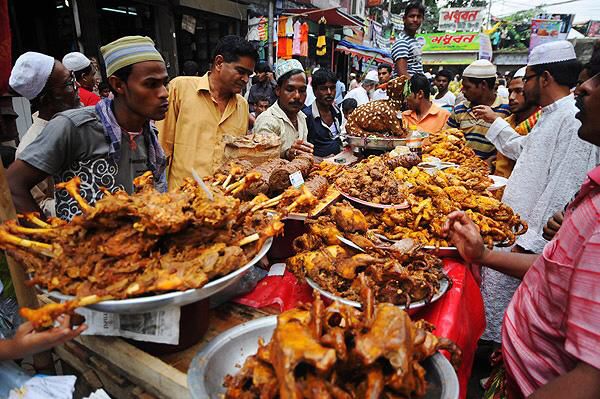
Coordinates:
<point>248,240</point>
<point>235,185</point>
<point>226,182</point>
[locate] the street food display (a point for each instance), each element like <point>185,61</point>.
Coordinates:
<point>450,146</point>
<point>433,197</point>
<point>340,352</point>
<point>380,117</point>
<point>373,179</point>
<point>131,245</point>
<point>398,276</point>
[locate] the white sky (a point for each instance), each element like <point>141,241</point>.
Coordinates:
<point>583,9</point>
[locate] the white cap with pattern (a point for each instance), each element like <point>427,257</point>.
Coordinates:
<point>556,51</point>
<point>30,74</point>
<point>76,61</point>
<point>481,69</point>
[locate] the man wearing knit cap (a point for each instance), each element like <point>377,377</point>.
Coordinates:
<point>85,74</point>
<point>202,110</point>
<point>107,145</point>
<point>284,118</point>
<point>479,82</point>
<point>551,162</point>
<point>51,88</point>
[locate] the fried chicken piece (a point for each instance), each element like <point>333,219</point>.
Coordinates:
<point>348,218</point>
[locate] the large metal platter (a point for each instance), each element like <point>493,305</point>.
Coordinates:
<point>376,143</point>
<point>227,352</point>
<point>444,286</point>
<point>175,298</point>
<point>499,182</point>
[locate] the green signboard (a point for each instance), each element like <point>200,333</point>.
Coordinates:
<point>459,41</point>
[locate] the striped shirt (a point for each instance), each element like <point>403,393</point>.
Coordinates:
<point>553,321</point>
<point>409,48</point>
<point>475,129</point>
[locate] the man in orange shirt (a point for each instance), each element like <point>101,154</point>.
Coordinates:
<point>421,112</point>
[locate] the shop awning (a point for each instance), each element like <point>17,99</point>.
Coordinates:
<point>333,16</point>
<point>365,52</point>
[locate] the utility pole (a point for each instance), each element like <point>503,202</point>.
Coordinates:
<point>270,31</point>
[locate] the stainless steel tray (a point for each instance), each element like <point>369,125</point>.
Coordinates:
<point>375,143</point>
<point>444,286</point>
<point>226,354</point>
<point>175,298</point>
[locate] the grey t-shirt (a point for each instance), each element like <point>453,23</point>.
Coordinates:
<point>74,144</point>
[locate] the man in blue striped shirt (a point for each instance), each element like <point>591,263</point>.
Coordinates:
<point>406,50</point>
<point>478,87</point>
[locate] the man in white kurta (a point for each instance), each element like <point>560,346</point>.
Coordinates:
<point>551,164</point>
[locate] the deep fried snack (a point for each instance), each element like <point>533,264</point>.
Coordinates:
<point>128,245</point>
<point>396,276</point>
<point>339,352</point>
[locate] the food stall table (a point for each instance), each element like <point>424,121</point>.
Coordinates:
<point>124,371</point>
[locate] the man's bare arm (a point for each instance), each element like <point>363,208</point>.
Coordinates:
<point>402,67</point>
<point>583,382</point>
<point>22,177</point>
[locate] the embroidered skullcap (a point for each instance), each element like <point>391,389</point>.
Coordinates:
<point>30,74</point>
<point>520,73</point>
<point>286,66</point>
<point>481,69</point>
<point>76,61</point>
<point>372,76</point>
<point>127,51</point>
<point>556,51</point>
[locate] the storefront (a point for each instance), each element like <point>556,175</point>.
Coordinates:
<point>200,24</point>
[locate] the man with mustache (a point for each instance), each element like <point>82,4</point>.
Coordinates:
<point>284,118</point>
<point>202,109</point>
<point>551,163</point>
<point>323,118</point>
<point>107,145</point>
<point>552,326</point>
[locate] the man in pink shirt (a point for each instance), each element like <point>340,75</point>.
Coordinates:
<point>551,329</point>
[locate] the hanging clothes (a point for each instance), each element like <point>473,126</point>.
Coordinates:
<point>321,41</point>
<point>282,38</point>
<point>263,29</point>
<point>296,43</point>
<point>304,39</point>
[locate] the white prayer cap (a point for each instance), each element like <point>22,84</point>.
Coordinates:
<point>556,51</point>
<point>286,66</point>
<point>76,61</point>
<point>30,74</point>
<point>481,69</point>
<point>520,73</point>
<point>372,75</point>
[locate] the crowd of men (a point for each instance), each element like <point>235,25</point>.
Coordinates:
<point>541,300</point>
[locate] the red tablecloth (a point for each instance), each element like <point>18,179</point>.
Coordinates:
<point>458,315</point>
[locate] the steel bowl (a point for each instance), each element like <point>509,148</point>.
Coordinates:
<point>226,354</point>
<point>175,298</point>
<point>376,143</point>
<point>444,286</point>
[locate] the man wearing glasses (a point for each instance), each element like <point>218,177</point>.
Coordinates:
<point>51,89</point>
<point>203,109</point>
<point>551,161</point>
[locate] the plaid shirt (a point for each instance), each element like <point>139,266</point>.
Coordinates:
<point>553,321</point>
